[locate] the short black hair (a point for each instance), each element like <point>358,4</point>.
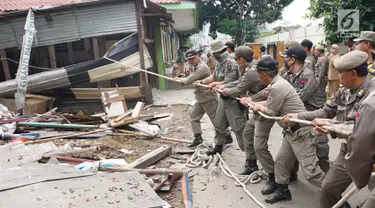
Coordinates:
<point>362,70</point>
<point>372,44</point>
<point>262,48</point>
<point>272,73</point>
<point>230,45</point>
<point>307,43</point>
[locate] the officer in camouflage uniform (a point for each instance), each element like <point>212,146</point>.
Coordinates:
<point>288,44</point>
<point>307,45</point>
<point>246,85</point>
<point>228,112</point>
<point>283,99</point>
<point>321,68</point>
<point>353,76</point>
<point>359,160</point>
<point>303,80</point>
<point>206,99</point>
<point>366,43</point>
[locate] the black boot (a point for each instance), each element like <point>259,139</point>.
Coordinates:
<point>346,205</point>
<point>293,177</point>
<point>229,139</point>
<point>282,194</point>
<point>250,167</point>
<point>271,185</point>
<point>216,149</point>
<point>197,141</point>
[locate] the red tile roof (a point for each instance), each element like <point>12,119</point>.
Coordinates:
<point>166,1</point>
<point>20,5</point>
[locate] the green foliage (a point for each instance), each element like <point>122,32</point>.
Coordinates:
<point>224,16</point>
<point>328,9</point>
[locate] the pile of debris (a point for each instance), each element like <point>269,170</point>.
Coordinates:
<point>78,160</point>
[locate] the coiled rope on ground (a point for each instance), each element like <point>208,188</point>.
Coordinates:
<point>200,158</point>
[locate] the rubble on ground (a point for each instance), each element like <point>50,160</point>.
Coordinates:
<point>72,156</point>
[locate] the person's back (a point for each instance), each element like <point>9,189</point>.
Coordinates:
<point>283,98</point>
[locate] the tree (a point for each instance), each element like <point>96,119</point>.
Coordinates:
<point>239,18</point>
<point>329,10</point>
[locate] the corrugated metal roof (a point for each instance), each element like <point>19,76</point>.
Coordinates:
<point>114,18</point>
<point>72,25</point>
<point>166,1</point>
<point>21,5</point>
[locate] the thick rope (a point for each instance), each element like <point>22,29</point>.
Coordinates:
<point>199,158</point>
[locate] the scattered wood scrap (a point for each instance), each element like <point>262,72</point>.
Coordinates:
<point>151,157</point>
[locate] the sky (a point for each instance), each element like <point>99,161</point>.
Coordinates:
<point>293,14</point>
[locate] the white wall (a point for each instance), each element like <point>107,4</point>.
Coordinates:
<point>313,33</point>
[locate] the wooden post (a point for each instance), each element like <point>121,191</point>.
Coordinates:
<point>52,56</point>
<point>4,61</point>
<point>143,76</point>
<point>43,56</point>
<point>70,52</point>
<point>95,49</point>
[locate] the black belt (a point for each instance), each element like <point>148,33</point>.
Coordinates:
<point>294,127</point>
<point>226,97</point>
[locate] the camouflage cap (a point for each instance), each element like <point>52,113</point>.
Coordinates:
<point>319,47</point>
<point>191,54</point>
<point>350,60</point>
<point>366,35</point>
<point>243,52</point>
<point>288,44</point>
<point>217,46</point>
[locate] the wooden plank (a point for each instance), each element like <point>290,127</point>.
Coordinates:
<point>4,61</point>
<point>137,109</point>
<point>52,56</point>
<point>130,120</point>
<point>124,115</point>
<point>151,158</point>
<point>94,93</point>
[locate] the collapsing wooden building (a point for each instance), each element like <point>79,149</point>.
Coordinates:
<point>71,34</point>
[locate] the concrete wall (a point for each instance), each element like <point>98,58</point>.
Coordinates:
<point>314,33</point>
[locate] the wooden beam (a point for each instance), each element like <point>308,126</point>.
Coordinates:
<point>94,93</point>
<point>95,47</point>
<point>95,50</point>
<point>43,56</point>
<point>137,109</point>
<point>4,61</point>
<point>151,158</point>
<point>70,52</point>
<point>52,56</point>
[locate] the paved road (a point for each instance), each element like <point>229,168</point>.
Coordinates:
<point>221,192</point>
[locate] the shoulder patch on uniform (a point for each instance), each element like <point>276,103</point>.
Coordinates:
<point>361,92</point>
<point>371,69</point>
<point>302,81</point>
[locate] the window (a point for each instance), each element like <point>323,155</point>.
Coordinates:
<point>61,48</point>
<point>78,45</point>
